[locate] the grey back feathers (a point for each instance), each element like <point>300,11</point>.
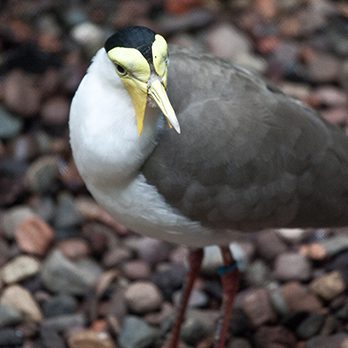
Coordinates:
<point>249,157</point>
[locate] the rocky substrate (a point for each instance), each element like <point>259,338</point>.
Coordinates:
<point>72,276</point>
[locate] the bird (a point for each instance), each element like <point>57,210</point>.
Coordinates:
<point>182,146</point>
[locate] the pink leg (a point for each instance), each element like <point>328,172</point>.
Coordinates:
<point>195,260</point>
<point>230,281</point>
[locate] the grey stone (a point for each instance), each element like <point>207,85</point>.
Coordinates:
<point>11,338</point>
<point>9,316</point>
<point>60,275</point>
<point>137,334</point>
<point>14,217</point>
<point>194,331</point>
<point>59,305</point>
<point>339,340</point>
<point>310,326</point>
<point>143,297</point>
<point>292,266</point>
<point>239,343</point>
<point>151,250</point>
<point>226,41</point>
<point>62,323</point>
<point>42,174</point>
<point>9,125</point>
<point>269,245</point>
<point>257,274</point>
<point>66,214</point>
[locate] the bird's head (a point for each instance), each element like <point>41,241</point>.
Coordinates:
<point>140,57</point>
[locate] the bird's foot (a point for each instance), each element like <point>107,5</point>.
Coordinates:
<point>229,274</point>
<point>195,261</point>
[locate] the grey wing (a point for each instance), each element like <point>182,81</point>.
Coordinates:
<point>248,156</point>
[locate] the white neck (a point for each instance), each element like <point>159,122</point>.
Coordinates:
<point>103,131</point>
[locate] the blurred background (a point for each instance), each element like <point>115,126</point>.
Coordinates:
<point>70,275</point>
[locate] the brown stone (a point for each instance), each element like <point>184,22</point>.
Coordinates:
<point>21,94</point>
<point>256,305</point>
<point>34,236</point>
<point>298,298</point>
<point>90,339</point>
<point>328,286</point>
<point>74,248</point>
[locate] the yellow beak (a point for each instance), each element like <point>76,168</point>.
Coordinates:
<point>159,95</point>
<point>139,91</point>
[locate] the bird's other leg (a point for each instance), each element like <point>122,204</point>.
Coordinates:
<point>229,274</point>
<point>195,261</point>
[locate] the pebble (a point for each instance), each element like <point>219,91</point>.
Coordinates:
<point>227,42</point>
<point>55,111</point>
<point>198,298</point>
<point>269,245</point>
<point>137,334</point>
<point>274,336</point>
<point>136,270</point>
<point>310,326</point>
<point>14,217</point>
<point>115,256</point>
<point>143,297</point>
<point>62,323</point>
<point>257,274</point>
<point>74,248</point>
<point>10,126</point>
<point>194,331</point>
<point>151,250</point>
<point>257,306</point>
<point>61,275</point>
<point>239,343</point>
<point>9,316</point>
<point>60,304</point>
<point>323,68</point>
<point>328,286</point>
<point>299,299</point>
<point>66,214</point>
<point>21,93</point>
<point>19,298</point>
<point>42,174</point>
<point>169,280</point>
<point>24,147</point>
<point>90,36</point>
<point>51,339</point>
<point>292,266</point>
<point>90,339</point>
<point>11,338</point>
<point>339,340</point>
<point>34,236</point>
<point>20,268</point>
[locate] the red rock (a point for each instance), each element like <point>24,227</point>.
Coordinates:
<point>298,298</point>
<point>256,305</point>
<point>181,6</point>
<point>274,337</point>
<point>34,236</point>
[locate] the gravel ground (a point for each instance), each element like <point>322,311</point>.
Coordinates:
<point>70,275</point>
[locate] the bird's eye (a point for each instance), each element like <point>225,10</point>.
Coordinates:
<point>120,69</point>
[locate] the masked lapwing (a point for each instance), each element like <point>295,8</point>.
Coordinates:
<point>190,149</point>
